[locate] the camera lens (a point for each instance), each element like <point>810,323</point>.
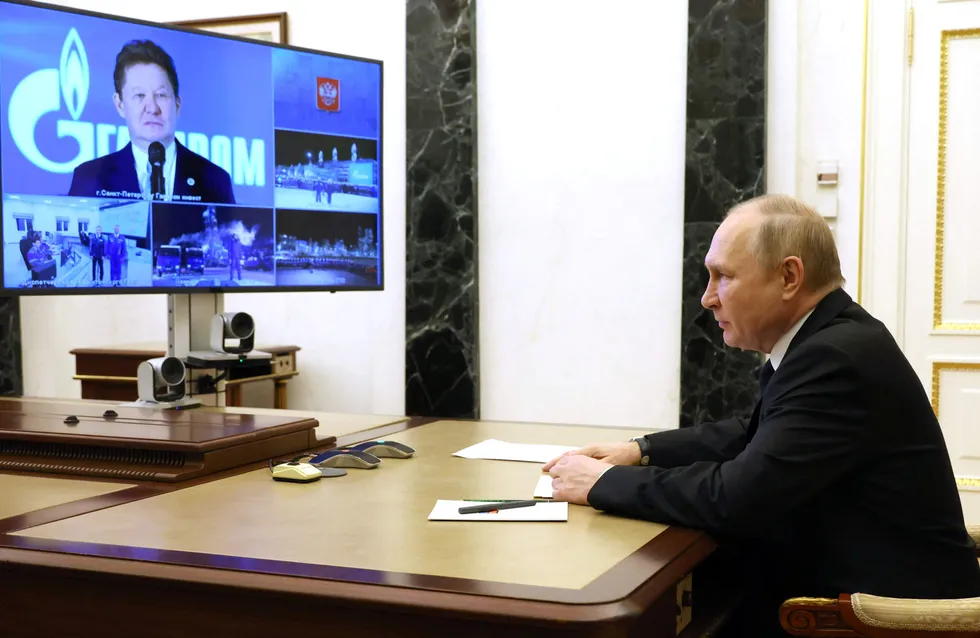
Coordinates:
<point>172,371</point>
<point>242,325</point>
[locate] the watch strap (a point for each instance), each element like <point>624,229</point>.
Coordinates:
<point>644,444</point>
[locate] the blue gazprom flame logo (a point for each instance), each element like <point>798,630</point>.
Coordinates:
<point>40,93</point>
<point>74,74</point>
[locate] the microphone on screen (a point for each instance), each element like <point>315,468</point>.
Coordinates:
<point>157,155</point>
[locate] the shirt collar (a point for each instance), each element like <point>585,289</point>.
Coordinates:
<point>779,350</point>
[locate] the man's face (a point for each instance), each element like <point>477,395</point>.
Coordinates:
<point>148,105</point>
<point>117,230</point>
<point>98,230</point>
<point>745,298</point>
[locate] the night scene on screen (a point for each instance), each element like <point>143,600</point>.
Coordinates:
<point>128,161</point>
<point>326,249</point>
<point>212,246</point>
<point>326,172</point>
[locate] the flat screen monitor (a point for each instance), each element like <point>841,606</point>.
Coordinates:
<point>138,157</point>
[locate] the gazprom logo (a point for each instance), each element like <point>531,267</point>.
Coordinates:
<point>74,74</point>
<point>41,93</point>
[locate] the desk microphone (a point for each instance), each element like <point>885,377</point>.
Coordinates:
<point>157,155</point>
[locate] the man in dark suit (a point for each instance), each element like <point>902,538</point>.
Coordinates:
<point>154,164</point>
<point>235,255</point>
<point>840,481</point>
<point>117,252</point>
<point>96,251</point>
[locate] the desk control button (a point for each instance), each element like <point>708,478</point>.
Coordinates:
<point>71,419</point>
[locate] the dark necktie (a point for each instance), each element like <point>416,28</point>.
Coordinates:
<point>765,375</point>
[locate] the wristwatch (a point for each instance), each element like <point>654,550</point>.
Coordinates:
<point>644,444</point>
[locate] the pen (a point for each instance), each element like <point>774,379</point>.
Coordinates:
<point>492,507</point>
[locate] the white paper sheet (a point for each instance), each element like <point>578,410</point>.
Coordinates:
<point>449,511</point>
<point>503,451</point>
<point>543,488</point>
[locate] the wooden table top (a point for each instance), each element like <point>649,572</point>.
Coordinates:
<point>376,519</point>
<point>20,493</point>
<point>329,423</point>
<point>355,537</point>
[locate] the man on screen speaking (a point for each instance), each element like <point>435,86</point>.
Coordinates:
<point>154,164</point>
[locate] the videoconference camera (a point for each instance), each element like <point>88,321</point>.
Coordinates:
<point>233,325</point>
<point>161,380</point>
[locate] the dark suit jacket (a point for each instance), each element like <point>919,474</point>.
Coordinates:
<point>842,472</point>
<point>116,172</point>
<point>96,246</point>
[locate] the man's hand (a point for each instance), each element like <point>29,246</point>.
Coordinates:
<point>627,453</point>
<point>574,475</point>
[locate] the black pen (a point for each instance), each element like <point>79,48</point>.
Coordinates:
<point>492,507</point>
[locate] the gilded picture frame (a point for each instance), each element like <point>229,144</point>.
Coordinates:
<point>268,27</point>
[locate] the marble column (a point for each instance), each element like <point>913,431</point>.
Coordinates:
<point>441,289</point>
<point>11,380</point>
<point>726,124</point>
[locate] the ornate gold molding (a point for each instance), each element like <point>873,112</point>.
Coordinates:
<point>864,139</point>
<point>937,286</point>
<point>967,481</point>
<point>938,367</point>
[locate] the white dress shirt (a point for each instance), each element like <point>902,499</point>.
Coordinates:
<point>779,350</point>
<point>169,169</point>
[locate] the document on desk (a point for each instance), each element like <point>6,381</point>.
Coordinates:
<point>540,512</point>
<point>493,449</point>
<point>543,488</point>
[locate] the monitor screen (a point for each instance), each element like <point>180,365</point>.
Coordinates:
<point>143,158</point>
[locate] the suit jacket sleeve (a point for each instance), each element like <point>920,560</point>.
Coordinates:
<point>81,182</point>
<point>811,434</point>
<point>229,191</point>
<point>721,441</point>
<point>226,192</point>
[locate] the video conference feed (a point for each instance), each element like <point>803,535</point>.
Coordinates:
<point>139,157</point>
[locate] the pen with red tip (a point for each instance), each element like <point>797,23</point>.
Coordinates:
<point>493,507</point>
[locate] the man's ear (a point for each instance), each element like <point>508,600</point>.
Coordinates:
<point>792,273</point>
<point>117,100</point>
<point>177,103</point>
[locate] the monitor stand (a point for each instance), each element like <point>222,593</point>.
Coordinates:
<point>189,339</point>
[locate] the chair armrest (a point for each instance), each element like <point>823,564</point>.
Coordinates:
<point>880,617</point>
<point>814,617</point>
<point>911,614</point>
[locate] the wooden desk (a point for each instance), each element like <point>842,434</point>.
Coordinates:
<point>110,373</point>
<point>238,554</point>
<point>330,424</point>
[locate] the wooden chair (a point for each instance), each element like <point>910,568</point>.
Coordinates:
<point>882,617</point>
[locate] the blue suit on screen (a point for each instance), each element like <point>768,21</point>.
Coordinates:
<point>195,177</point>
<point>116,251</point>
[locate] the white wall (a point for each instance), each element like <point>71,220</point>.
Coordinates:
<point>815,81</point>
<point>353,357</point>
<point>581,163</point>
